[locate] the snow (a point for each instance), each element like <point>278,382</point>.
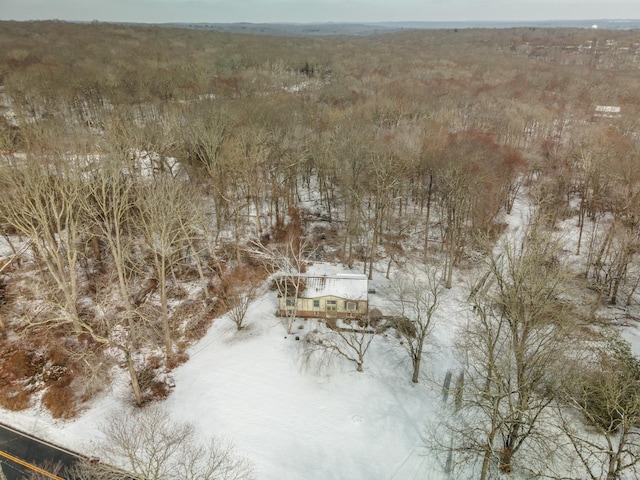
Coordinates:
<point>299,423</point>
<point>286,420</point>
<point>5,248</point>
<point>294,422</point>
<point>351,286</point>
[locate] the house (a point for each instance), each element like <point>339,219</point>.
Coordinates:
<point>325,296</point>
<point>607,111</point>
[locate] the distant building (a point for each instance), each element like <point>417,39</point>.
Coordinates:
<point>324,296</point>
<point>607,111</point>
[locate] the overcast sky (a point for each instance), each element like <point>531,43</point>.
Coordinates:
<point>308,11</point>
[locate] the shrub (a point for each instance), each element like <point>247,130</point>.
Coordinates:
<point>153,386</point>
<point>14,398</point>
<point>60,401</point>
<point>178,359</point>
<point>17,363</point>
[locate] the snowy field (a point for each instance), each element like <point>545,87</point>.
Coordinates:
<point>302,424</point>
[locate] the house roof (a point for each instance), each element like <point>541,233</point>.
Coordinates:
<point>608,111</point>
<point>347,286</point>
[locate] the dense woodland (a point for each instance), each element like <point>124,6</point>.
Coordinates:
<point>144,169</point>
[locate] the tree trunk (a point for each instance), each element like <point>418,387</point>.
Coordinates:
<point>416,370</point>
<point>236,228</point>
<point>95,245</point>
<point>416,360</point>
<point>449,268</point>
<point>485,463</point>
<point>428,219</point>
<point>581,216</point>
<point>133,375</point>
<point>605,246</point>
<point>611,473</point>
<point>371,254</point>
<point>166,329</point>
<point>258,222</point>
<point>505,460</point>
<point>621,273</point>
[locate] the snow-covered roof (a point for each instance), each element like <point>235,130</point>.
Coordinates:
<point>609,111</point>
<point>348,286</point>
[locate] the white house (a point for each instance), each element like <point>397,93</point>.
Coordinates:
<point>607,111</point>
<point>325,296</point>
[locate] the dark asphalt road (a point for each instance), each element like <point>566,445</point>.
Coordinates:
<point>18,448</point>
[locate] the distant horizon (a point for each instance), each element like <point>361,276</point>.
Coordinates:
<point>372,27</point>
<point>338,22</point>
<point>319,11</point>
<point>344,22</point>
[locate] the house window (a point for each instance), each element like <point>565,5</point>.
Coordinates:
<point>316,304</point>
<point>352,306</point>
<point>331,302</point>
<point>291,302</point>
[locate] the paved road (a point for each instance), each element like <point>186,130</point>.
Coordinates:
<point>22,454</point>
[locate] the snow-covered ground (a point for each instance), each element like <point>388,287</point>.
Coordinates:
<point>5,248</point>
<point>294,422</point>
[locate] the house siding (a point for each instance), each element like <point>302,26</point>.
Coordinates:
<point>305,307</point>
<point>321,306</point>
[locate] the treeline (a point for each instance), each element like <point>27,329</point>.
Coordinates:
<point>140,163</point>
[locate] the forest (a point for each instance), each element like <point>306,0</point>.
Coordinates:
<point>152,179</point>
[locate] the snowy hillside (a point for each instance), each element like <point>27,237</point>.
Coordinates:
<point>294,423</point>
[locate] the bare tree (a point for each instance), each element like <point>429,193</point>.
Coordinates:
<point>110,207</point>
<point>340,338</point>
<point>127,334</point>
<point>384,178</point>
<point>349,342</point>
<point>415,295</point>
<point>455,206</point>
<point>203,141</point>
<point>605,392</point>
<point>90,469</point>
<point>476,180</point>
<point>149,444</point>
<point>286,263</point>
<point>512,348</point>
<point>168,221</point>
<point>238,298</point>
<point>42,202</point>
